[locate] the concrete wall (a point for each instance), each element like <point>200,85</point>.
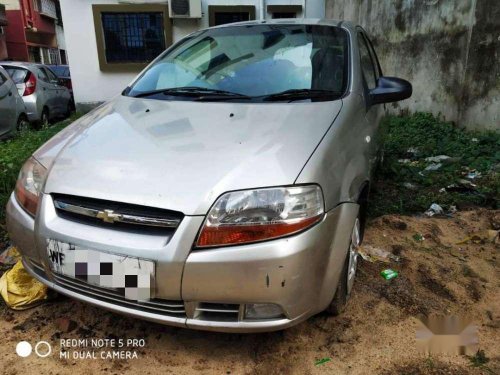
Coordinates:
<point>90,85</point>
<point>448,49</point>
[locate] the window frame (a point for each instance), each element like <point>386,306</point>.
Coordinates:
<point>98,9</point>
<point>212,9</point>
<point>361,38</point>
<point>52,76</point>
<point>297,9</point>
<point>3,79</point>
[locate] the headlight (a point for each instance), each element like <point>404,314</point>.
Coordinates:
<point>29,185</point>
<point>257,215</point>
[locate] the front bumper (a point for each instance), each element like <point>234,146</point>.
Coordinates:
<point>201,289</point>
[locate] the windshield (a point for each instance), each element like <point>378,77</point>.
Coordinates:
<point>252,60</point>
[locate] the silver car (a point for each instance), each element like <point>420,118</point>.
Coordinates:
<point>12,110</point>
<point>224,190</point>
<point>44,96</point>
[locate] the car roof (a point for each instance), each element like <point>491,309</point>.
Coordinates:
<point>294,21</point>
<point>22,64</point>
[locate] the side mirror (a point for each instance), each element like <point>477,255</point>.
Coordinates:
<point>390,89</point>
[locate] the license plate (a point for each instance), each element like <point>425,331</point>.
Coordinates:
<point>132,277</point>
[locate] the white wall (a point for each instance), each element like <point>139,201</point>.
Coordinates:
<point>61,41</point>
<point>90,85</point>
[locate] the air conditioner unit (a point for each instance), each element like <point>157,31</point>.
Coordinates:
<point>184,8</point>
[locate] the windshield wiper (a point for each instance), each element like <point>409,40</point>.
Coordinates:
<point>201,92</point>
<point>298,94</point>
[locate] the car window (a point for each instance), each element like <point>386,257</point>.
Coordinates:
<point>43,75</point>
<point>59,70</point>
<point>366,63</point>
<point>3,79</point>
<point>283,57</point>
<point>18,75</point>
<point>50,74</point>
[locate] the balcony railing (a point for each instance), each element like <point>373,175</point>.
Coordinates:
<point>3,16</point>
<point>48,8</point>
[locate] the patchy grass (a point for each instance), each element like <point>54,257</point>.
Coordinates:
<point>479,359</point>
<point>403,186</point>
<point>15,151</point>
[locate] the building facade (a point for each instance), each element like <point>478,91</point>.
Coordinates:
<point>110,41</point>
<point>3,24</point>
<point>31,31</point>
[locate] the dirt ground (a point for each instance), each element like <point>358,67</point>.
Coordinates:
<point>376,334</point>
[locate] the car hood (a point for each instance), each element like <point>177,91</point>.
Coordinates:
<point>181,155</point>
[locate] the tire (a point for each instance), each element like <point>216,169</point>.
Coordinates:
<point>22,123</point>
<point>44,118</point>
<point>69,108</point>
<point>346,282</point>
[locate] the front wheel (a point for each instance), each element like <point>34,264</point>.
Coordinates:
<point>346,282</point>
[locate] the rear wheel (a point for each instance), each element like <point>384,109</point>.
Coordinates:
<point>44,118</point>
<point>69,108</point>
<point>346,282</point>
<point>22,123</point>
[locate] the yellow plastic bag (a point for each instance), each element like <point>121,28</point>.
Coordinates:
<point>20,290</point>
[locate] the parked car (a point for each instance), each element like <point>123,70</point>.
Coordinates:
<point>12,110</point>
<point>63,74</point>
<point>225,189</point>
<point>45,98</point>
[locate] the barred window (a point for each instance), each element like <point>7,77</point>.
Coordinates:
<point>130,36</point>
<point>133,37</point>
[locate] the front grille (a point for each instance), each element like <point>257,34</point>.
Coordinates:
<point>116,215</point>
<point>156,306</point>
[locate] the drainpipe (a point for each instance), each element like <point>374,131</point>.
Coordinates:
<point>262,10</point>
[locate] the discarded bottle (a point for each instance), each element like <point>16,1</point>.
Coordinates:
<point>389,274</point>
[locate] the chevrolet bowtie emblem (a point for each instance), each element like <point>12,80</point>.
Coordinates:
<point>108,216</point>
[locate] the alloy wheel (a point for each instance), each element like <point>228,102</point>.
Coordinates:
<point>353,255</point>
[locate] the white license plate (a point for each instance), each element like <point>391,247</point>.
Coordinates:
<point>133,277</point>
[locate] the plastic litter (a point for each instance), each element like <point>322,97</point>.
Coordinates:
<point>373,254</point>
<point>20,290</point>
<point>10,256</point>
<point>418,237</point>
<point>475,140</point>
<point>434,209</point>
<point>322,361</point>
<point>389,274</point>
<point>473,175</point>
<point>437,159</point>
<point>412,151</point>
<point>433,167</point>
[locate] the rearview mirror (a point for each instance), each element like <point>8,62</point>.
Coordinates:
<point>390,89</point>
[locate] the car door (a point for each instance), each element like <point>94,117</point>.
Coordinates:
<point>7,104</point>
<point>370,69</point>
<point>46,91</point>
<point>60,93</point>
